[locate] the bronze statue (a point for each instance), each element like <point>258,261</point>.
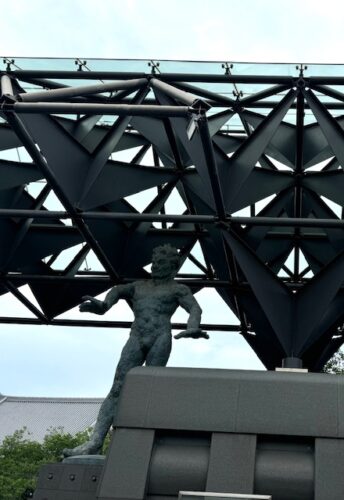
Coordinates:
<point>153,302</point>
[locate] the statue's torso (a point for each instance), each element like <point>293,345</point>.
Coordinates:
<point>153,305</point>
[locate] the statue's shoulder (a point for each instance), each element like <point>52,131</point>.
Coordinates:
<point>182,290</point>
<point>139,284</point>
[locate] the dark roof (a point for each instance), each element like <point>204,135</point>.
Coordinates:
<point>39,415</point>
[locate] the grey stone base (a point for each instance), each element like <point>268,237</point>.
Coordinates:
<point>75,479</point>
<point>225,431</point>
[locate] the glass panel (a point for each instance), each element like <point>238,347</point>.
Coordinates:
<point>324,70</point>
<point>265,69</point>
<point>38,63</point>
<point>171,66</point>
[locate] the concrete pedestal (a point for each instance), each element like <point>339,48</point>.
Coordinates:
<point>77,478</point>
<point>267,433</point>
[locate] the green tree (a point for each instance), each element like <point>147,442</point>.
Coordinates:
<point>335,365</point>
<point>21,458</point>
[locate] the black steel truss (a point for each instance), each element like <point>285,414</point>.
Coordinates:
<point>205,155</point>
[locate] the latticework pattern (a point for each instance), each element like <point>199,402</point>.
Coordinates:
<point>241,172</point>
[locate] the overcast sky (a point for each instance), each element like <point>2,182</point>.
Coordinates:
<point>55,361</point>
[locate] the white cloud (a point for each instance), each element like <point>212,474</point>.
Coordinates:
<point>268,30</point>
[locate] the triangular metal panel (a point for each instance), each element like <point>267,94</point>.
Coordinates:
<point>330,127</point>
<point>66,158</point>
<point>332,318</point>
<point>315,297</point>
<point>128,140</point>
<point>56,298</point>
<point>193,147</point>
<point>154,131</point>
<point>328,184</point>
<point>272,295</point>
<point>14,174</point>
<point>255,235</point>
<point>8,139</point>
<point>260,184</point>
<point>218,120</point>
<point>118,180</point>
<point>282,144</point>
<point>241,164</point>
<point>228,143</point>
<point>265,342</point>
<point>41,242</point>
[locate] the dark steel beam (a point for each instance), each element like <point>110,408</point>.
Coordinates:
<point>76,75</point>
<point>25,226</point>
<point>113,324</point>
<point>177,94</point>
<point>120,97</point>
<point>50,85</point>
<point>300,113</point>
<point>82,90</point>
<point>157,164</point>
<point>214,98</point>
<point>272,104</point>
<point>288,222</point>
<point>43,82</point>
<point>197,232</point>
<point>167,77</point>
<point>173,144</point>
<point>140,154</point>
<point>6,86</point>
<point>103,278</point>
<point>24,300</point>
<point>284,235</point>
<point>155,217</point>
<point>277,89</point>
<point>209,154</point>
<point>222,102</point>
<point>97,109</point>
<point>325,80</point>
<point>197,263</point>
<point>233,273</point>
<point>323,89</point>
<point>62,278</point>
<point>147,217</point>
<point>73,267</point>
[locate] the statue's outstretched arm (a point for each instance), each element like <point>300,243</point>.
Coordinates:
<point>90,304</point>
<point>188,302</point>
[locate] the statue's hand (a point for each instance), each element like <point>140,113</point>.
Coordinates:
<point>92,305</point>
<point>192,333</point>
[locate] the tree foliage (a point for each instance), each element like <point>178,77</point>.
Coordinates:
<point>21,458</point>
<point>335,365</point>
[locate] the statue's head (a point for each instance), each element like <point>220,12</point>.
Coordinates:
<point>165,262</point>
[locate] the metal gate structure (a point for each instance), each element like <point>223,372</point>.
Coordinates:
<point>242,161</point>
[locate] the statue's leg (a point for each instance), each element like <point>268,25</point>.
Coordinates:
<point>132,355</point>
<point>160,351</point>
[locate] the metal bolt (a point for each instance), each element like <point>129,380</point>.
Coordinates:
<point>94,478</point>
<point>9,63</point>
<point>155,67</point>
<point>301,83</point>
<point>72,477</point>
<point>227,67</point>
<point>81,64</point>
<point>50,476</point>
